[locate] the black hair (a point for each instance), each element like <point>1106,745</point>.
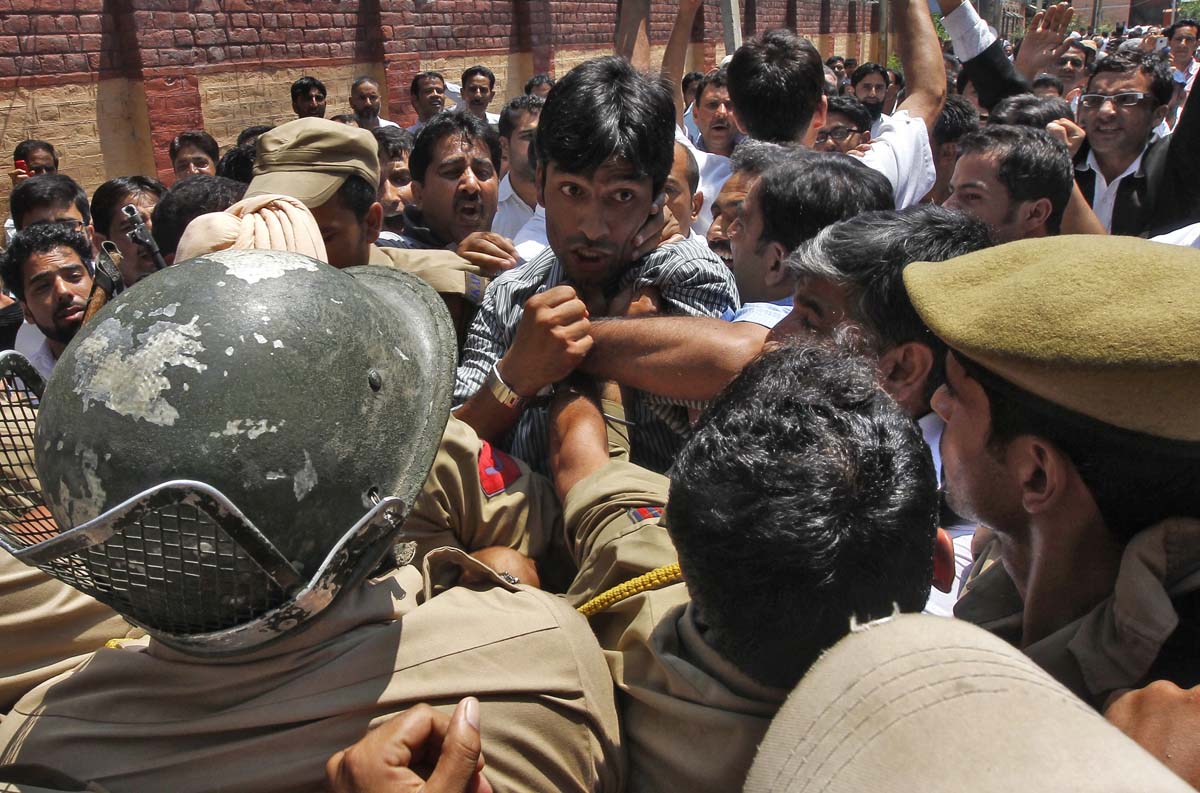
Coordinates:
<point>48,189</point>
<point>802,195</point>
<point>776,82</point>
<point>805,499</point>
<point>250,134</point>
<point>115,193</point>
<point>357,195</point>
<point>1031,164</point>
<point>690,79</point>
<point>361,80</point>
<point>958,117</point>
<point>415,85</point>
<point>895,77</point>
<point>756,156</point>
<point>525,103</point>
<point>394,142</point>
<point>476,70</point>
<point>238,163</point>
<point>835,59</point>
<point>866,69</point>
<point>1183,23</point>
<point>1030,110</point>
<point>302,87</point>
<point>1162,86</point>
<point>536,80</point>
<point>446,123</point>
<point>27,147</point>
<point>604,108</point>
<point>41,238</point>
<point>198,138</point>
<point>866,256</point>
<point>1045,80</point>
<point>691,169</point>
<point>1134,483</point>
<point>717,78</point>
<point>851,108</point>
<point>344,118</point>
<point>188,199</point>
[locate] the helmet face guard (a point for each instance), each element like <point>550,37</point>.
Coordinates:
<point>178,555</point>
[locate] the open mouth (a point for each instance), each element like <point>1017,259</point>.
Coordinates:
<point>723,252</point>
<point>469,214</point>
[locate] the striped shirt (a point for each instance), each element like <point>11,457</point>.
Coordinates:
<point>691,281</point>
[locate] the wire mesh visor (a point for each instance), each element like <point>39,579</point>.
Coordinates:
<point>183,562</point>
<point>179,559</point>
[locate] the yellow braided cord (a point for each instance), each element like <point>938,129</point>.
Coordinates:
<point>115,644</point>
<point>652,580</point>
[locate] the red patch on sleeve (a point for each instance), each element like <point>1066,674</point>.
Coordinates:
<point>496,470</point>
<point>639,514</point>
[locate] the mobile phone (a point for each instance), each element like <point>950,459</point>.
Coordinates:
<point>21,165</point>
<point>1161,44</point>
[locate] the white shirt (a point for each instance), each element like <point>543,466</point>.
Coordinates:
<point>940,603</point>
<point>969,34</point>
<point>511,211</point>
<point>901,152</point>
<point>383,122</point>
<point>877,124</point>
<point>1104,196</point>
<point>714,170</point>
<point>33,345</point>
<point>1188,236</point>
<point>531,239</point>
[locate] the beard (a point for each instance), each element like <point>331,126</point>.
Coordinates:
<point>875,109</point>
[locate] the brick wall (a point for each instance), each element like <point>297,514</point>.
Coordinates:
<point>111,82</point>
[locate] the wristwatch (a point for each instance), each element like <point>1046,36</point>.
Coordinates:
<point>500,389</point>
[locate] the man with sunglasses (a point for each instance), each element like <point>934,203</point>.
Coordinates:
<point>1073,66</point>
<point>1136,185</point>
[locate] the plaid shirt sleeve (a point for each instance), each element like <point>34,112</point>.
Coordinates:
<point>690,278</point>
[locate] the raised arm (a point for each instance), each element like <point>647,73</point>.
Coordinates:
<point>675,57</point>
<point>921,59</point>
<point>684,358</point>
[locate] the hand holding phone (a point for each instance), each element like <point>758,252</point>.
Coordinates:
<point>19,173</point>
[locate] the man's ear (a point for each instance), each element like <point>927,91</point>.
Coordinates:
<point>1042,472</point>
<point>948,152</point>
<point>697,205</point>
<point>866,137</point>
<point>28,315</point>
<point>943,561</point>
<point>1037,212</point>
<point>904,372</point>
<point>373,222</point>
<point>414,187</point>
<point>539,178</point>
<point>777,272</point>
<point>820,116</point>
<point>504,148</point>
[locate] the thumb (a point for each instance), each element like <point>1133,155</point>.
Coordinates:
<point>461,758</point>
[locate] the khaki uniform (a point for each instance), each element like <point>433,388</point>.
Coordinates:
<point>692,720</point>
<point>455,279</point>
<point>1147,629</point>
<point>45,625</point>
<point>143,718</point>
<point>477,496</point>
<point>45,628</point>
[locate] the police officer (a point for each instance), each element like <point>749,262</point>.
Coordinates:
<point>282,416</point>
<point>1073,433</point>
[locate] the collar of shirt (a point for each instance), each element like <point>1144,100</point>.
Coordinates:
<point>1134,168</point>
<point>506,189</point>
<point>931,425</point>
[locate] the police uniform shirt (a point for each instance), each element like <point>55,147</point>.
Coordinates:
<point>142,717</point>
<point>692,720</point>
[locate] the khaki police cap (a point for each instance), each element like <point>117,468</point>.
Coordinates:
<point>310,158</point>
<point>935,705</point>
<point>1106,327</point>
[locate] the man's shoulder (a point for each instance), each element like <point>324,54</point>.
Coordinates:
<point>446,272</point>
<point>526,279</point>
<point>693,249</point>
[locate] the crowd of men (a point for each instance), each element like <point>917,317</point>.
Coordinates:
<point>762,429</point>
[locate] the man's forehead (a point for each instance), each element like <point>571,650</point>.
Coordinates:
<point>528,119</point>
<point>1134,79</point>
<point>430,82</point>
<point>614,169</point>
<point>836,119</point>
<point>457,145</point>
<point>714,92</point>
<point>52,212</point>
<point>366,88</point>
<point>46,263</point>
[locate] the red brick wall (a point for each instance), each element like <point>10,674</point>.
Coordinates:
<point>169,47</point>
